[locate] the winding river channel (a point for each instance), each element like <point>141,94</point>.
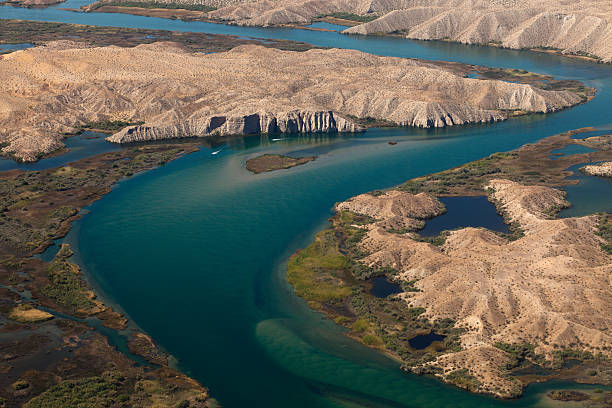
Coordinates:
<point>194,252</point>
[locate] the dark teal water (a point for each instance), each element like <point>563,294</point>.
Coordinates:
<point>464,212</point>
<point>423,341</point>
<point>382,287</point>
<point>194,252</point>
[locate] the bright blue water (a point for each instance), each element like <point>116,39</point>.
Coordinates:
<point>465,212</point>
<point>569,150</point>
<point>15,47</point>
<point>195,251</point>
<point>84,145</point>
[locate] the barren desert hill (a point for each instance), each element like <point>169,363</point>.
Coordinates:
<point>47,91</point>
<point>581,27</point>
<point>548,289</point>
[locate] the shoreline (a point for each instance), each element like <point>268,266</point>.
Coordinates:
<point>62,288</point>
<point>163,13</point>
<point>335,282</point>
<point>548,94</point>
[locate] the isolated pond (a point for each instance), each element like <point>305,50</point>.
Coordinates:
<point>382,287</point>
<point>569,150</point>
<point>465,212</point>
<point>424,340</point>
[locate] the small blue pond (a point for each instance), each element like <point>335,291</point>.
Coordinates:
<point>382,287</point>
<point>15,47</point>
<point>464,212</point>
<point>423,341</point>
<point>569,150</point>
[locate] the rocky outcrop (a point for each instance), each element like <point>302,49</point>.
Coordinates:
<point>602,169</point>
<point>580,27</point>
<point>267,12</point>
<point>49,91</point>
<point>284,122</point>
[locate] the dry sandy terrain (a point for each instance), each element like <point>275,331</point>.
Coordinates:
<point>32,3</point>
<point>582,27</point>
<point>28,314</point>
<point>550,288</point>
<point>602,170</point>
<point>47,91</point>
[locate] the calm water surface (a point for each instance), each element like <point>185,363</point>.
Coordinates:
<point>465,212</point>
<point>195,252</point>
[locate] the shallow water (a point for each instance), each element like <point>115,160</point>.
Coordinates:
<point>464,212</point>
<point>569,150</point>
<point>592,194</point>
<point>15,47</point>
<point>194,252</point>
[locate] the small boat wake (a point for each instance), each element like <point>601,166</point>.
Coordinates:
<point>276,140</point>
<point>216,152</point>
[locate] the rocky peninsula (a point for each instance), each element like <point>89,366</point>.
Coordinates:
<point>504,310</point>
<point>50,91</point>
<point>602,169</point>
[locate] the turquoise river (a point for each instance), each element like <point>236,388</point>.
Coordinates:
<point>194,252</point>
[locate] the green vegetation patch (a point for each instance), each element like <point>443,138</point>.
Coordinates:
<point>604,230</point>
<point>462,378</point>
<point>518,353</point>
<point>316,272</point>
<point>111,126</point>
<point>369,121</point>
<point>67,288</point>
<point>94,392</point>
<point>360,18</point>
